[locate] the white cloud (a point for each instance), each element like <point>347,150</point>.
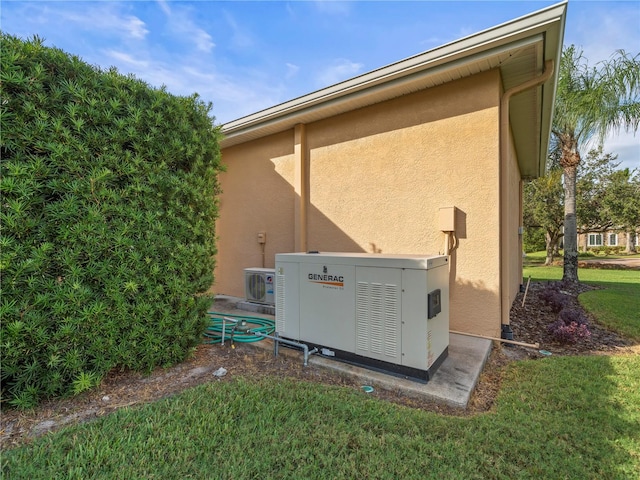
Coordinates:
<point>182,25</point>
<point>600,31</point>
<point>135,27</point>
<point>164,6</point>
<point>291,11</point>
<point>102,18</point>
<point>341,69</point>
<point>432,42</point>
<point>125,58</point>
<point>462,33</point>
<point>333,7</point>
<point>240,37</point>
<point>292,70</point>
<point>203,41</point>
<point>233,95</point>
<point>627,147</point>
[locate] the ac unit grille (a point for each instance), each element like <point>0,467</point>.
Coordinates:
<point>259,285</point>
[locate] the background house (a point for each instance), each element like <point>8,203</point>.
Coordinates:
<point>366,165</point>
<point>608,238</point>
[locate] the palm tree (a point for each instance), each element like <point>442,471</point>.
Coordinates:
<point>590,103</point>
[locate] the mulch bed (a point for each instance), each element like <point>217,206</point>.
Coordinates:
<point>530,322</point>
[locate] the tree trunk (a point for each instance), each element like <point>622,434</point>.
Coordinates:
<point>550,248</point>
<point>630,248</point>
<point>570,272</point>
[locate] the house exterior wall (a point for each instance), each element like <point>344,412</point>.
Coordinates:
<point>375,181</point>
<point>257,196</point>
<point>512,221</point>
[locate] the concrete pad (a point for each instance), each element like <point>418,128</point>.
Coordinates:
<point>452,384</point>
<point>257,308</point>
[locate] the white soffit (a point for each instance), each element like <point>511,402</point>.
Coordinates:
<point>518,48</point>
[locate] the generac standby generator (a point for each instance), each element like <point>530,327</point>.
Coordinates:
<point>389,312</point>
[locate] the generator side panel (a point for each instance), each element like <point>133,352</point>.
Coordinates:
<point>414,319</point>
<point>288,299</point>
<point>378,313</point>
<point>424,339</point>
<point>438,325</point>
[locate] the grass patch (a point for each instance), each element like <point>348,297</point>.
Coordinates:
<point>538,258</point>
<point>561,417</point>
<point>616,306</point>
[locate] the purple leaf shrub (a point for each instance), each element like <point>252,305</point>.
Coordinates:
<point>555,299</point>
<point>570,327</point>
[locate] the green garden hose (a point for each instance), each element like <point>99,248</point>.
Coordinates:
<point>217,325</point>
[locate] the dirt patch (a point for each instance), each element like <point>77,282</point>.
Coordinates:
<point>121,389</point>
<point>610,263</point>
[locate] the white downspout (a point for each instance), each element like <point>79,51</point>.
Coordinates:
<point>505,139</point>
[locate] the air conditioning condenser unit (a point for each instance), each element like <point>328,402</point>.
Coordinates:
<point>259,285</point>
<point>389,312</point>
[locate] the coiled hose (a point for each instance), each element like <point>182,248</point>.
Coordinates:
<point>240,329</point>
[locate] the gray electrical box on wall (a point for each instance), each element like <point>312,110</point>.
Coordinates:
<point>390,312</point>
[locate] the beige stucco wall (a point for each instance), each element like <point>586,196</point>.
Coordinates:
<point>257,196</point>
<point>377,178</point>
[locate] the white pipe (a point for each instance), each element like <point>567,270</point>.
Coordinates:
<point>526,290</point>
<point>223,327</point>
<point>512,342</point>
<point>277,340</point>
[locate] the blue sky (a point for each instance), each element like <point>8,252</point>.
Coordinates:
<point>245,56</point>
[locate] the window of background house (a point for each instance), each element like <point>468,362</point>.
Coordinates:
<point>613,239</point>
<point>595,240</point>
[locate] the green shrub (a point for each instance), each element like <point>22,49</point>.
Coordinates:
<point>533,240</point>
<point>108,207</point>
<point>606,250</point>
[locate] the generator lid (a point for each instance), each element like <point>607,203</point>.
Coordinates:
<point>418,262</point>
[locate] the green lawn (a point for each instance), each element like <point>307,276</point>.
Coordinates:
<point>557,417</point>
<point>616,306</point>
<point>538,258</point>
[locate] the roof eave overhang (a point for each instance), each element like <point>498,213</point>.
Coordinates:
<point>493,48</point>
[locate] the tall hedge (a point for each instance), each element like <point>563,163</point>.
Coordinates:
<point>107,222</point>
